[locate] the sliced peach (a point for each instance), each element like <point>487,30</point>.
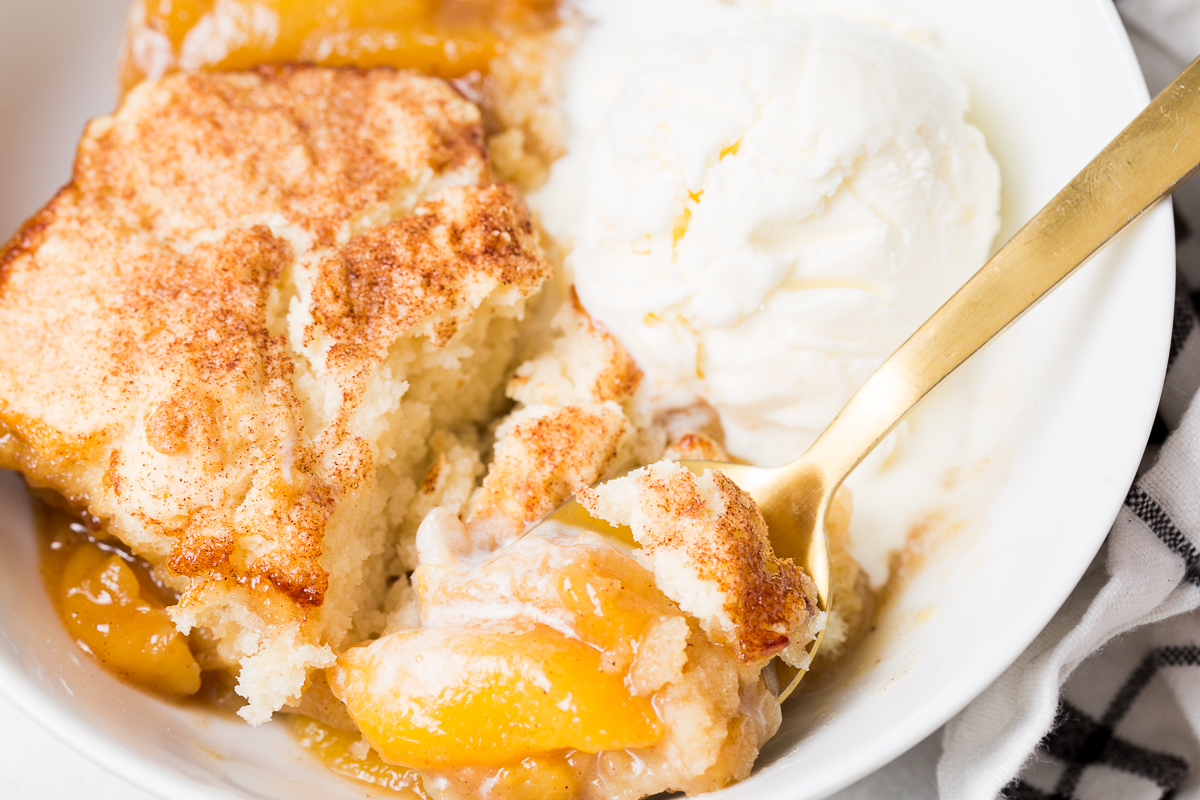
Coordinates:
<point>443,698</point>
<point>602,595</point>
<point>449,38</point>
<point>106,612</point>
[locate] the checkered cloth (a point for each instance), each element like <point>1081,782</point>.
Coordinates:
<point>1107,699</point>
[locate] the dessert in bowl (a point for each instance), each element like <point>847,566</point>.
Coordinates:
<point>792,718</point>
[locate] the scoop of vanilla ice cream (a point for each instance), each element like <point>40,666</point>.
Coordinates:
<point>767,210</point>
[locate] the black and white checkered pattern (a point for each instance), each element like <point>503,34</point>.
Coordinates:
<point>1080,743</point>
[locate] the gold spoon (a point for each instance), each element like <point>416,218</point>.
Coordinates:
<point>1158,151</point>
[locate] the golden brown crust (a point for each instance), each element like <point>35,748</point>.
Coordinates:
<point>695,447</point>
<point>569,428</point>
<point>141,371</point>
<point>582,364</point>
<point>410,272</point>
<point>315,145</point>
<point>545,456</point>
<point>706,536</point>
<point>27,239</point>
<point>620,377</point>
<point>763,591</point>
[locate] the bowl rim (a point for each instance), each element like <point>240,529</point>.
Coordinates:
<point>927,719</point>
<point>31,697</point>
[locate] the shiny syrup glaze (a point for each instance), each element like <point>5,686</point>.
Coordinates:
<point>345,753</point>
<point>446,38</point>
<point>73,549</point>
<point>111,604</point>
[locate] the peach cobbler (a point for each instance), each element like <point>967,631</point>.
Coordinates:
<point>291,342</point>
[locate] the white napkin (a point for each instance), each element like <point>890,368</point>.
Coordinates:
<point>1105,704</point>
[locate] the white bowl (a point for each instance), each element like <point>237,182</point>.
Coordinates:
<point>1014,469</point>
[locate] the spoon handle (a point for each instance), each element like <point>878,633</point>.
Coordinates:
<point>1153,155</point>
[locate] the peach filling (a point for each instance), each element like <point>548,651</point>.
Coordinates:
<point>341,752</point>
<point>114,613</point>
<point>533,653</point>
<point>447,38</point>
<point>493,698</point>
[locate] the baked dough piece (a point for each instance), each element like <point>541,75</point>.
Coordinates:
<point>706,543</point>
<point>572,426</point>
<point>233,335</point>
